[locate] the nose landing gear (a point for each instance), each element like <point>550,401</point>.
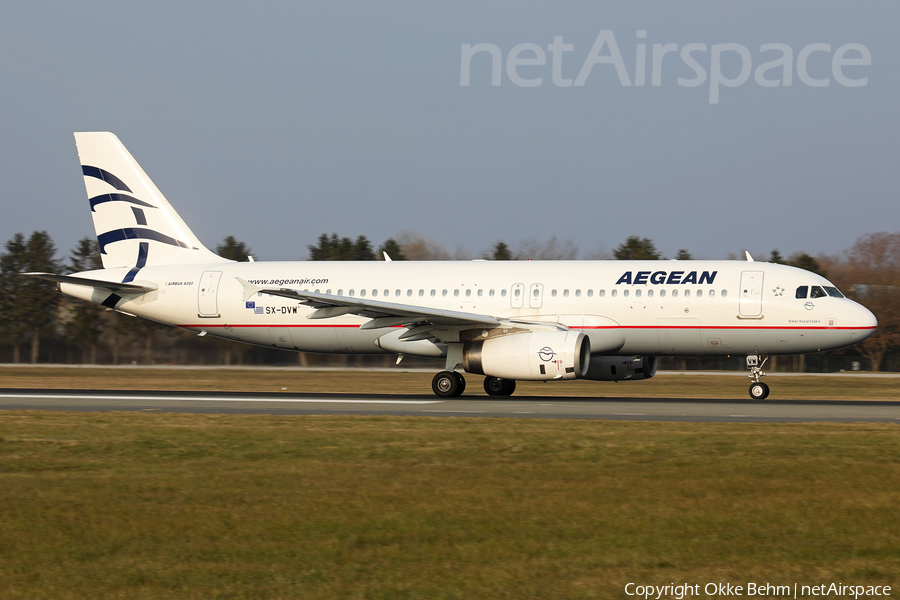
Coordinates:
<point>758,390</point>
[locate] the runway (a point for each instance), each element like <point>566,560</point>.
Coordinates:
<point>619,409</point>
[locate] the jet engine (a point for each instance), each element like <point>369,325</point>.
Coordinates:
<point>534,356</point>
<point>621,368</point>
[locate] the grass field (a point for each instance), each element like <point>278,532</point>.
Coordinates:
<point>159,506</point>
<point>667,385</point>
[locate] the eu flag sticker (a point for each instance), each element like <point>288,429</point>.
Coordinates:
<point>250,305</point>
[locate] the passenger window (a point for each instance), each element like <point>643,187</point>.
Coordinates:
<point>352,293</point>
<point>456,293</point>
<point>397,293</point>
<point>687,293</point>
<point>724,293</point>
<point>328,292</point>
<point>408,293</point>
<point>801,292</point>
<point>469,293</point>
<point>444,293</point>
<point>362,293</point>
<point>503,293</point>
<point>662,293</point>
<point>699,293</point>
<point>491,293</point>
<point>817,292</point>
<point>433,293</point>
<point>553,293</point>
<point>387,293</point>
<point>614,293</point>
<point>566,293</point>
<point>601,293</point>
<point>590,293</point>
<point>637,293</point>
<point>518,292</point>
<point>374,293</point>
<point>340,292</point>
<point>674,293</point>
<point>712,293</point>
<point>625,293</point>
<point>421,293</point>
<point>481,293</point>
<point>578,293</point>
<point>649,293</point>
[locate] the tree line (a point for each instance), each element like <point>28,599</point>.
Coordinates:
<point>37,320</point>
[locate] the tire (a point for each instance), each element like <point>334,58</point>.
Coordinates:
<point>759,391</point>
<point>445,384</point>
<point>462,383</point>
<point>496,386</point>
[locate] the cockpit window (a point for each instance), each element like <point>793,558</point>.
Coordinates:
<point>802,291</point>
<point>833,292</point>
<point>817,292</point>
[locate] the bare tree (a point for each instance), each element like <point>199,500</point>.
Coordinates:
<point>872,277</point>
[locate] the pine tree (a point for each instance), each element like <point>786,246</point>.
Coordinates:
<point>392,248</point>
<point>502,252</point>
<point>233,249</point>
<point>635,248</point>
<point>28,305</point>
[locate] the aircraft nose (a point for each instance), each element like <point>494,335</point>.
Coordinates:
<point>863,323</point>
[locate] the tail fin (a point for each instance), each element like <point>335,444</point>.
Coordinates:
<point>135,224</point>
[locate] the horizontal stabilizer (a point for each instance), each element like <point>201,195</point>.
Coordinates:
<point>112,286</point>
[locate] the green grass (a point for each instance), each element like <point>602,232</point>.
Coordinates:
<point>665,385</point>
<point>205,506</point>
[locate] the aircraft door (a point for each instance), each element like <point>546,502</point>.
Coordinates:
<point>751,293</point>
<point>517,295</point>
<point>536,295</point>
<point>207,291</point>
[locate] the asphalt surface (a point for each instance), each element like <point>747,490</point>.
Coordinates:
<point>620,409</point>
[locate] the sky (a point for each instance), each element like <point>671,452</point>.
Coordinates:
<point>276,122</point>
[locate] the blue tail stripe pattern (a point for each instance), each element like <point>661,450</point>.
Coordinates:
<point>137,233</point>
<point>103,175</point>
<point>143,250</point>
<point>117,198</point>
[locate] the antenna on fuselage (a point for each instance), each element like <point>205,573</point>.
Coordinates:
<point>749,258</point>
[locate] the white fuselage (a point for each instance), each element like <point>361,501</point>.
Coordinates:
<point>624,307</point>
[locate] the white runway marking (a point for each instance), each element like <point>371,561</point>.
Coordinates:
<point>217,399</point>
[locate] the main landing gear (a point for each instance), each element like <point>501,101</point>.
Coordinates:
<point>449,384</point>
<point>758,390</point>
<point>496,386</point>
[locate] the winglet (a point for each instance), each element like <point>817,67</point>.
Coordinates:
<point>749,258</point>
<point>249,288</point>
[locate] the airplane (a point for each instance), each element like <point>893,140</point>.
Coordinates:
<point>506,320</point>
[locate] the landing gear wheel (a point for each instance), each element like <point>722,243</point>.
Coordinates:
<point>759,391</point>
<point>496,386</point>
<point>462,383</point>
<point>446,384</point>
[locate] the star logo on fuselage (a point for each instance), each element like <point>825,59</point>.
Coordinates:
<point>778,291</point>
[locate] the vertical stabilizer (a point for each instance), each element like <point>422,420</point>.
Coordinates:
<point>135,224</point>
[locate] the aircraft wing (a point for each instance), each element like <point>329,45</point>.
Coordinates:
<point>112,286</point>
<point>383,314</point>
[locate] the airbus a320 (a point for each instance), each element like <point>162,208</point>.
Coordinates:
<point>506,320</point>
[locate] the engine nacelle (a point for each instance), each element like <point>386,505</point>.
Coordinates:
<point>620,368</point>
<point>532,356</point>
